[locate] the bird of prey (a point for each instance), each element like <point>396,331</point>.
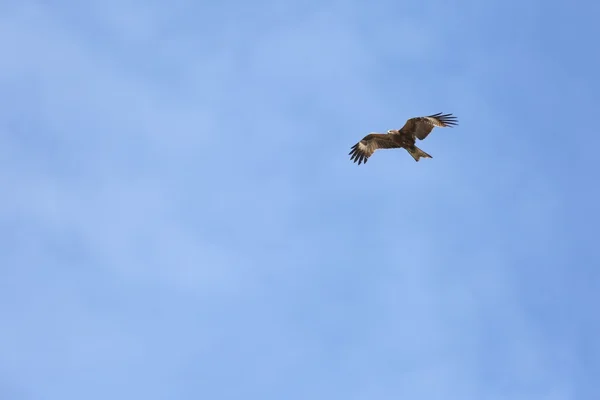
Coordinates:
<point>405,137</point>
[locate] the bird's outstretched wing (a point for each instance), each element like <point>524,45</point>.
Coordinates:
<point>362,150</point>
<point>420,127</point>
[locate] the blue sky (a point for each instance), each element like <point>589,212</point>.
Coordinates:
<point>181,220</point>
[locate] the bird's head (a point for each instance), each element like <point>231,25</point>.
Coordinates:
<point>392,131</point>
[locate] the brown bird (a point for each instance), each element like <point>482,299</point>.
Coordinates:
<point>414,128</point>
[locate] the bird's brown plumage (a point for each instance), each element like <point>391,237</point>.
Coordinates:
<point>405,137</point>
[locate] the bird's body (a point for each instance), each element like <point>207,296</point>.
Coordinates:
<point>405,137</point>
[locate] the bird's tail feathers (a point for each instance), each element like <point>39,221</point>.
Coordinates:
<point>417,153</point>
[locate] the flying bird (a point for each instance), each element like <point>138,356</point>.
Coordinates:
<point>405,137</point>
